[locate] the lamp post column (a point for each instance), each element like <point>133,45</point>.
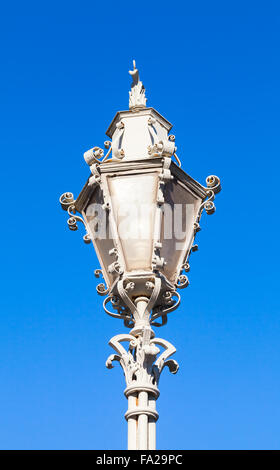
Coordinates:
<point>152,425</point>
<point>141,419</point>
<point>132,423</point>
<point>142,364</point>
<point>141,428</point>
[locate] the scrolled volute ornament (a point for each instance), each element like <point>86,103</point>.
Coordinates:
<point>101,288</point>
<point>87,239</point>
<point>95,155</point>
<point>213,188</point>
<point>123,312</point>
<point>182,281</point>
<point>213,182</point>
<point>166,305</point>
<point>66,200</point>
<point>186,267</point>
<point>125,358</point>
<point>163,360</point>
<point>130,286</point>
<point>209,207</point>
<point>67,203</point>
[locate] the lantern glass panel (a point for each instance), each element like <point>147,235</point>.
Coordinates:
<point>177,231</point>
<point>133,199</point>
<point>97,222</point>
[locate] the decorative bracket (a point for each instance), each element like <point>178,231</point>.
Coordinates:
<point>161,148</point>
<point>118,152</point>
<point>101,288</point>
<point>213,188</point>
<point>68,204</point>
<point>140,364</point>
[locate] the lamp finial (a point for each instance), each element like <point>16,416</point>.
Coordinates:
<point>137,98</point>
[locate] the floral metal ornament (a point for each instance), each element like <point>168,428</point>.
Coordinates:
<point>141,366</point>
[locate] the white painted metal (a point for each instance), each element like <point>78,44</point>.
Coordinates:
<point>132,424</point>
<point>152,425</point>
<point>142,271</point>
<point>143,422</point>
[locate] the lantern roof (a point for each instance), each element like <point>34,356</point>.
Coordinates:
<point>133,114</point>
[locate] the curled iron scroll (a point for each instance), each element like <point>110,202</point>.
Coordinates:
<point>67,203</point>
<point>160,311</point>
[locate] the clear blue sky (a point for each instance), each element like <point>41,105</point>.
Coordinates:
<point>212,69</point>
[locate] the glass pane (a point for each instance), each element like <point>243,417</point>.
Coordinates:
<point>133,201</point>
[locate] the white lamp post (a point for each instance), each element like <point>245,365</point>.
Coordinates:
<point>141,212</point>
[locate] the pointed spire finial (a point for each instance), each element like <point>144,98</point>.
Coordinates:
<point>137,98</point>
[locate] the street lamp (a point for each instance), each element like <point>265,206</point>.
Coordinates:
<point>141,211</point>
